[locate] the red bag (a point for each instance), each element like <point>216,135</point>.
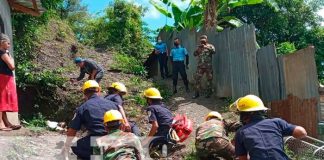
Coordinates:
<point>183,126</point>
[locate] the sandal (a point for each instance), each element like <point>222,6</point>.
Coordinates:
<point>15,127</point>
<point>5,129</point>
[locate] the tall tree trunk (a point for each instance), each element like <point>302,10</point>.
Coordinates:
<point>210,19</point>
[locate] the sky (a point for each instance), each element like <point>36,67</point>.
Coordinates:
<point>152,17</point>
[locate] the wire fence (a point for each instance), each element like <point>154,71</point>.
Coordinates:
<point>306,149</point>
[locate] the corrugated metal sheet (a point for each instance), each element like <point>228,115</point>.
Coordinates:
<point>298,111</point>
<point>299,74</point>
<point>244,72</point>
<point>269,82</point>
<point>222,65</point>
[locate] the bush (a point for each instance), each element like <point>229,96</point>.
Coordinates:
<point>128,64</point>
<point>286,48</point>
<point>27,76</point>
<point>36,121</point>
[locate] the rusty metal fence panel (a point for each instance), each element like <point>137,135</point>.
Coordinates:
<point>299,74</point>
<point>269,82</point>
<point>297,111</point>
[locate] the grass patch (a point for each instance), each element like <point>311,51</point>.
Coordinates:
<point>128,64</point>
<point>166,93</point>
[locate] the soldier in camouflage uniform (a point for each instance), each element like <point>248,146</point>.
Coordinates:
<point>211,140</point>
<point>119,145</point>
<point>204,54</point>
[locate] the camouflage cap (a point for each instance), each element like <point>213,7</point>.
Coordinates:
<point>203,37</point>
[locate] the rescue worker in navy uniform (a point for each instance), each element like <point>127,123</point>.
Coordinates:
<point>261,138</point>
<point>89,115</point>
<point>89,67</point>
<point>158,115</point>
<point>177,56</point>
<point>116,91</point>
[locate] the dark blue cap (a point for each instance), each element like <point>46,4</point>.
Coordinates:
<point>78,60</point>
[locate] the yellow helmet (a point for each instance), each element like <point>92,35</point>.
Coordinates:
<point>152,93</point>
<point>90,84</point>
<point>214,114</point>
<point>119,86</point>
<point>248,103</point>
<point>112,115</point>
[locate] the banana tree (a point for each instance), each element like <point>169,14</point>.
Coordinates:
<point>203,13</point>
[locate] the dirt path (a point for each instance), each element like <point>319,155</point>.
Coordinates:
<point>195,109</point>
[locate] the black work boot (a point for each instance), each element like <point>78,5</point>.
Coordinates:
<point>187,89</point>
<point>196,95</point>
<point>174,90</point>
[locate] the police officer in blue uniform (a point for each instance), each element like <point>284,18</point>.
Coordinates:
<point>261,138</point>
<point>90,115</point>
<point>177,56</point>
<point>115,94</point>
<point>162,51</point>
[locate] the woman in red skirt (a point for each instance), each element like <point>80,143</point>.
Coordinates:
<point>8,94</point>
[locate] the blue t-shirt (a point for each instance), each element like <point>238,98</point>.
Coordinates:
<point>90,115</point>
<point>161,47</point>
<point>4,69</point>
<point>263,139</point>
<point>178,53</point>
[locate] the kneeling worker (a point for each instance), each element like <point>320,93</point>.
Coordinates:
<point>90,115</point>
<point>211,139</point>
<point>159,116</point>
<point>261,138</point>
<point>90,67</point>
<point>118,144</point>
<point>115,93</point>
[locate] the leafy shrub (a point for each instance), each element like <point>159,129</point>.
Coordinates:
<point>128,64</point>
<point>286,48</point>
<point>26,76</point>
<point>36,121</point>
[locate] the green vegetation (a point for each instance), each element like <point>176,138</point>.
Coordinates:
<point>36,121</point>
<point>120,28</point>
<point>286,48</point>
<point>199,12</point>
<point>128,64</point>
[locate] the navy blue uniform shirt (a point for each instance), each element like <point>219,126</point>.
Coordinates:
<point>159,113</point>
<point>115,98</point>
<point>89,66</point>
<point>90,115</point>
<point>262,139</point>
<point>4,69</point>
